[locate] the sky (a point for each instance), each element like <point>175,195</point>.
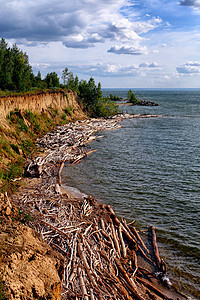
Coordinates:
<point>120,43</point>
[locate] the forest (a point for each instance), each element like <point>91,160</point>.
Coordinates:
<point>16,75</point>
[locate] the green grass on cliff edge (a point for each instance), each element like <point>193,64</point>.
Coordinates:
<point>18,141</point>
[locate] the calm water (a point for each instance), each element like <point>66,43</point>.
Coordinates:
<point>149,170</point>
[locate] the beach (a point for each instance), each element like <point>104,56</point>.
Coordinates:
<point>104,256</point>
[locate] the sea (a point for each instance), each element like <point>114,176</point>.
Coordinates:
<point>149,171</point>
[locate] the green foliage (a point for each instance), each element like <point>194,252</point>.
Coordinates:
<point>15,71</point>
<point>64,116</point>
<point>107,108</point>
<point>52,80</point>
<point>16,117</point>
<point>16,144</point>
<point>64,76</point>
<point>35,123</point>
<point>68,110</point>
<point>14,170</point>
<point>69,81</point>
<point>55,112</point>
<point>114,97</point>
<point>90,95</point>
<point>132,98</point>
<point>38,82</point>
<point>27,146</point>
<point>16,74</point>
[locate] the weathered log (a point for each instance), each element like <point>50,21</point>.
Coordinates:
<point>122,242</point>
<point>60,171</point>
<point>87,268</point>
<point>57,189</point>
<point>113,216</point>
<point>145,256</point>
<point>155,248</point>
<point>115,239</point>
<point>133,229</point>
<point>54,228</point>
<point>128,280</point>
<point>153,288</point>
<point>82,285</point>
<point>91,151</point>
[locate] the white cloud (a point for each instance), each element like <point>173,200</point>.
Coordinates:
<point>118,70</point>
<point>152,66</point>
<point>192,68</point>
<point>78,24</point>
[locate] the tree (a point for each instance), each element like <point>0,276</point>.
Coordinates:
<point>65,73</point>
<point>6,66</point>
<point>91,96</point>
<point>52,80</point>
<point>132,98</point>
<point>89,93</point>
<point>69,81</point>
<point>15,71</point>
<point>22,72</point>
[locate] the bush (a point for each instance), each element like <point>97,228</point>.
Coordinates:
<point>132,98</point>
<point>106,108</point>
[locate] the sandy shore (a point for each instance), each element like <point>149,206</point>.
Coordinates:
<point>105,258</point>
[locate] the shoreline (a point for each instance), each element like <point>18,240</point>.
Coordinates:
<point>92,228</point>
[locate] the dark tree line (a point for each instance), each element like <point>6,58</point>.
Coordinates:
<point>16,73</point>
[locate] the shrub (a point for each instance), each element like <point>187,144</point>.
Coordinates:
<point>132,98</point>
<point>106,108</point>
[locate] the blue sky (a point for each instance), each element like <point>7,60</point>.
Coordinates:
<point>121,43</point>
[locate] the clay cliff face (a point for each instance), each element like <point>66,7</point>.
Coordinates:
<point>40,102</point>
<point>29,268</point>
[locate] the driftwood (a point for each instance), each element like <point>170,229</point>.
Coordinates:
<point>101,252</point>
<point>155,248</point>
<point>60,171</point>
<point>153,288</point>
<point>133,229</point>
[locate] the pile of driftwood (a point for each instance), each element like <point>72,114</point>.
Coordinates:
<point>67,144</point>
<point>102,254</point>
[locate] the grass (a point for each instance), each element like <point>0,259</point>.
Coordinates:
<point>33,91</point>
<point>69,110</point>
<point>18,141</point>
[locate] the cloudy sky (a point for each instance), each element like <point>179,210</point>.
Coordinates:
<point>121,43</point>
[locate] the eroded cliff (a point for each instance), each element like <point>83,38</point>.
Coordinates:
<point>41,102</point>
<point>29,268</point>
